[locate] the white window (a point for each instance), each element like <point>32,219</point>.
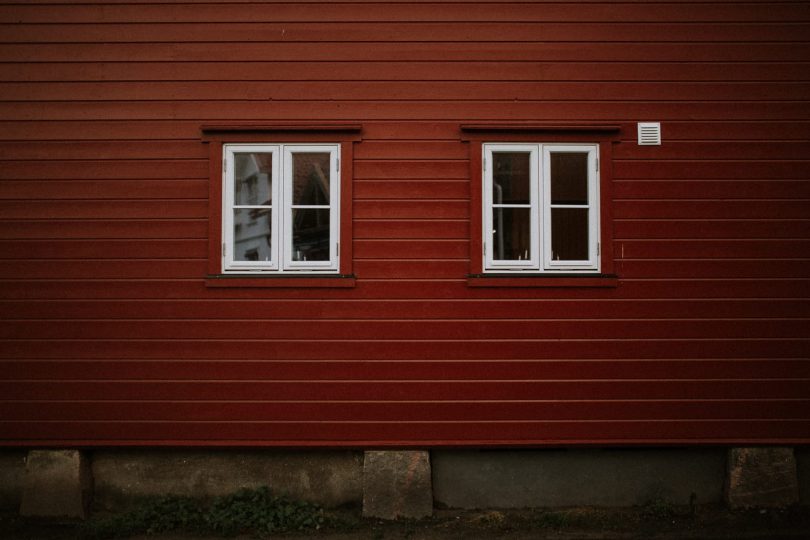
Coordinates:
<point>280,208</point>
<point>541,208</point>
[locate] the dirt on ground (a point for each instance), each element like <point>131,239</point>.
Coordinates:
<point>661,522</point>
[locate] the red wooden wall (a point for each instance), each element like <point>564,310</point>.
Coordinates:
<point>110,335</point>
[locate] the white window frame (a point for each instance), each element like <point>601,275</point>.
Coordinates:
<point>541,260</point>
<point>282,257</point>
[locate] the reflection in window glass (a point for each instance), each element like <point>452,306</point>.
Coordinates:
<point>569,234</point>
<point>252,230</point>
<point>311,178</point>
<point>310,234</point>
<point>253,179</point>
<point>511,178</point>
<point>569,178</point>
<point>511,236</point>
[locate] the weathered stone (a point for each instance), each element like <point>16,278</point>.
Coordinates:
<point>57,483</point>
<point>12,478</point>
<point>327,477</point>
<point>761,477</point>
<point>397,484</point>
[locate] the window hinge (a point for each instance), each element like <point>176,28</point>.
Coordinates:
<point>338,164</point>
<point>597,164</point>
<point>485,164</point>
<point>224,165</point>
<point>223,249</point>
<point>485,250</point>
<point>337,249</point>
<point>598,248</point>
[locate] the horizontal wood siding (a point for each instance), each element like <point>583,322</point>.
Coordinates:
<point>111,337</point>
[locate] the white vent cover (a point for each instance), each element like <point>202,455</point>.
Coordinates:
<point>649,133</point>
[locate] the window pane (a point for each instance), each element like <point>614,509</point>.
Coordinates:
<point>251,234</point>
<point>511,236</point>
<point>569,234</point>
<point>310,234</point>
<point>569,177</point>
<point>253,179</point>
<point>511,177</point>
<point>311,178</point>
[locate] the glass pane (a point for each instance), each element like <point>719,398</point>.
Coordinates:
<point>253,178</point>
<point>310,234</point>
<point>569,177</point>
<point>511,236</point>
<point>311,178</point>
<point>511,177</point>
<point>251,234</point>
<point>569,234</point>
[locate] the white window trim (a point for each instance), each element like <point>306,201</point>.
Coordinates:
<point>541,261</point>
<point>281,211</point>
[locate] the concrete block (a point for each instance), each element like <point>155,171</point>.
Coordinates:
<point>12,478</point>
<point>550,478</point>
<point>803,471</point>
<point>397,484</point>
<point>327,477</point>
<point>57,483</point>
<point>761,477</point>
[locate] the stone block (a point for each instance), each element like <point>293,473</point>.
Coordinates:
<point>327,477</point>
<point>761,477</point>
<point>397,484</point>
<point>58,483</point>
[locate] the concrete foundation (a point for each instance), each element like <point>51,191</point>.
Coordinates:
<point>397,484</point>
<point>57,483</point>
<point>761,477</point>
<point>12,478</point>
<point>803,473</point>
<point>557,478</point>
<point>329,478</point>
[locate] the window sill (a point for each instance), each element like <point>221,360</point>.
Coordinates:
<point>543,280</point>
<point>335,281</point>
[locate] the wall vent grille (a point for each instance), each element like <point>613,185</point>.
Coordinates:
<point>649,133</point>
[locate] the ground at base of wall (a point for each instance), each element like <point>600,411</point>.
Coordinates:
<point>660,521</point>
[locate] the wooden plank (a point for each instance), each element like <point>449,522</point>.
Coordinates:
<point>470,50</point>
<point>395,31</point>
<point>712,249</point>
<point>46,189</point>
<point>408,249</point>
<point>103,249</point>
<point>102,129</point>
<point>399,434</point>
<point>500,370</point>
<point>386,12</point>
<point>404,91</point>
<point>110,229</point>
<point>403,391</point>
<point>95,150</point>
<point>714,150</point>
<point>717,170</point>
<point>105,209</point>
<point>127,268</point>
<point>444,289</point>
<point>405,71</point>
<point>415,307</point>
<point>542,110</point>
<point>720,209</point>
<point>708,228</point>
<point>411,229</point>
<point>712,189</point>
<point>406,209</point>
<point>104,170</point>
<point>698,328</point>
<point>370,411</point>
<point>411,189</point>
<point>706,268</point>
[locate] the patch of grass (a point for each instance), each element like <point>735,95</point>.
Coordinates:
<point>254,511</point>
